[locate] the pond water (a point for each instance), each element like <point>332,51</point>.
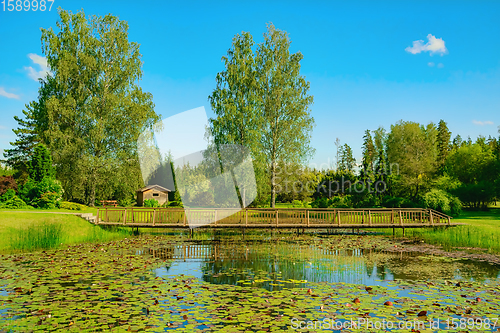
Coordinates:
<point>163,283</point>
<point>272,264</point>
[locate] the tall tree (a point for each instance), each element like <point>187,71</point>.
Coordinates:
<point>261,101</point>
<point>368,151</point>
<point>347,161</point>
<point>443,144</point>
<point>91,110</point>
<point>412,147</point>
<point>457,142</point>
<point>235,102</point>
<point>285,103</point>
<point>40,165</point>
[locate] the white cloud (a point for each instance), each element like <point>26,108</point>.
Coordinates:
<point>7,94</point>
<point>430,64</point>
<point>434,45</point>
<point>440,65</point>
<point>42,63</point>
<point>482,123</point>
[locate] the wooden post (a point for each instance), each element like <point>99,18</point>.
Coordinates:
<point>307,218</point>
<point>107,220</point>
<point>432,218</point>
<point>154,215</point>
<point>370,217</point>
<point>97,216</point>
<point>185,213</point>
<point>338,217</point>
<point>215,216</point>
<point>125,216</point>
<point>400,218</point>
<point>276,219</point>
<point>449,220</point>
<point>392,216</point>
<point>246,217</point>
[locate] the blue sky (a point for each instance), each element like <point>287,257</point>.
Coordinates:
<point>369,63</point>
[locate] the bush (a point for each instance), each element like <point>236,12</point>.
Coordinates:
<point>333,202</point>
<point>126,202</point>
<point>11,201</point>
<point>46,193</point>
<point>175,204</point>
<point>151,203</point>
<point>397,202</point>
<point>7,183</point>
<point>71,205</point>
<point>442,201</point>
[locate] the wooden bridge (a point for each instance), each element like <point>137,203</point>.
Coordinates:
<point>301,218</point>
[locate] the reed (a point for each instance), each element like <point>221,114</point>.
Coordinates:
<point>42,236</point>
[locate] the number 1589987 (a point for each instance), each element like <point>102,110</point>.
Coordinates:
<point>26,5</point>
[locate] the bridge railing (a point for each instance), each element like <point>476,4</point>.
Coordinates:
<point>271,217</point>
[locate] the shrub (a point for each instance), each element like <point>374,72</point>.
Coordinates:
<point>297,204</point>
<point>442,201</point>
<point>151,203</point>
<point>11,201</point>
<point>8,195</point>
<point>71,205</point>
<point>7,183</point>
<point>46,193</point>
<point>397,202</point>
<point>126,202</point>
<point>175,204</point>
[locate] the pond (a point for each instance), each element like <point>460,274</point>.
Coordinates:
<point>285,282</point>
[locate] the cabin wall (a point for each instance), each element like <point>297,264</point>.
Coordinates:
<point>161,197</point>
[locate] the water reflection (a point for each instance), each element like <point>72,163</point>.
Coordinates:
<point>276,265</point>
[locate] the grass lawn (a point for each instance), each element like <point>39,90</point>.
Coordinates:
<point>27,231</point>
<point>482,231</point>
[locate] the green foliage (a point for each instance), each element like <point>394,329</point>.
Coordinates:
<point>475,167</point>
<point>344,201</point>
<point>90,111</point>
<point>8,195</point>
<point>40,165</point>
<point>442,201</point>
<point>10,200</point>
<point>411,148</point>
<point>151,203</point>
<point>6,171</point>
<point>46,193</point>
<point>43,236</point>
<point>262,102</point>
<point>397,202</point>
<point>347,161</point>
<point>443,144</point>
<point>71,206</point>
<point>175,204</point>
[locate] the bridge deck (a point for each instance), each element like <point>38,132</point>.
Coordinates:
<point>273,218</point>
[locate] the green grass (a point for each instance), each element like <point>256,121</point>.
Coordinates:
<point>482,231</point>
<point>29,231</point>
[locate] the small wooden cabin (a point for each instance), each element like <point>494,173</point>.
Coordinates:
<point>157,192</point>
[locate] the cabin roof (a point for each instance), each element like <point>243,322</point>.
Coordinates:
<point>154,187</point>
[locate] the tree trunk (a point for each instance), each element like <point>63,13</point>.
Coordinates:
<point>273,184</point>
<point>93,185</point>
